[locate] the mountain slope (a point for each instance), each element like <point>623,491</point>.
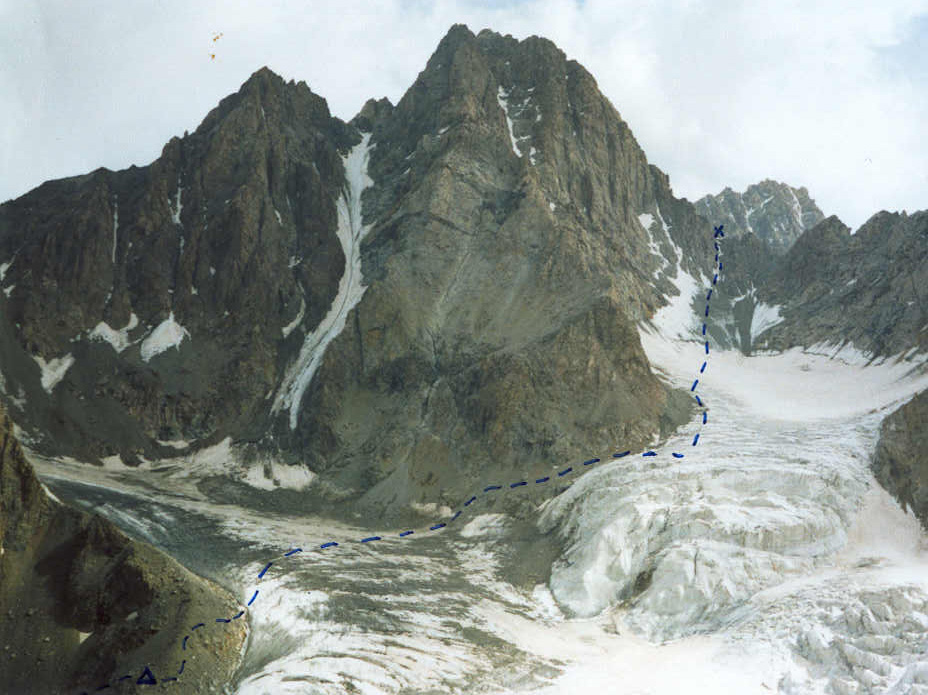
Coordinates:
<point>506,268</point>
<point>83,605</point>
<point>863,289</point>
<point>479,314</point>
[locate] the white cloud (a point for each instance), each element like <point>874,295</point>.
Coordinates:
<point>717,93</point>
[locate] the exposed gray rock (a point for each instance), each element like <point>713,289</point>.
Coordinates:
<point>865,288</point>
<point>777,213</point>
<point>514,234</point>
<point>900,462</point>
<point>506,267</point>
<point>832,287</point>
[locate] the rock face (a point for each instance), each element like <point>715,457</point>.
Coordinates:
<point>901,459</point>
<point>506,268</point>
<point>161,293</point>
<point>777,213</point>
<point>64,573</point>
<point>866,288</point>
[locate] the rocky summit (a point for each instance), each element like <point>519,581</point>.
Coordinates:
<point>777,213</point>
<point>439,289</point>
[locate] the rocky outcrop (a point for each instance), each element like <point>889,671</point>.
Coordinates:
<point>900,462</point>
<point>832,287</point>
<point>775,212</point>
<point>82,605</point>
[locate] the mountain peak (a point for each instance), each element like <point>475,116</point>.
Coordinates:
<point>776,212</point>
<point>263,75</point>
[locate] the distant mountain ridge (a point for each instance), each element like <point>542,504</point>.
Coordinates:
<point>776,212</point>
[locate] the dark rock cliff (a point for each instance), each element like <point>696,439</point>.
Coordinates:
<point>866,288</point>
<point>506,269</point>
<point>900,463</point>
<point>82,605</point>
<point>469,309</point>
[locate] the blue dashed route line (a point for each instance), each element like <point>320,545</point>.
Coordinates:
<point>147,676</point>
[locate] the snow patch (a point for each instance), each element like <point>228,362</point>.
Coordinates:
<point>9,290</point>
<point>118,339</point>
<point>50,494</point>
<point>677,319</point>
<point>431,508</point>
<point>169,334</point>
<point>178,206</point>
<point>661,218</point>
<point>552,206</point>
<point>279,221</point>
<point>747,213</point>
<point>290,327</point>
<point>113,463</point>
<point>174,443</point>
<point>351,231</point>
<point>485,525</point>
<point>54,370</point>
<point>764,318</point>
<point>796,208</point>
<point>274,475</point>
<point>502,99</point>
<point>115,227</point>
<point>5,267</point>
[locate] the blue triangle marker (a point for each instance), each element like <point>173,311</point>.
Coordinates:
<point>147,678</point>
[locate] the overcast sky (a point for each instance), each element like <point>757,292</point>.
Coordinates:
<point>828,95</point>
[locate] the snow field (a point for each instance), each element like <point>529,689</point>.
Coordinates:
<point>351,231</point>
